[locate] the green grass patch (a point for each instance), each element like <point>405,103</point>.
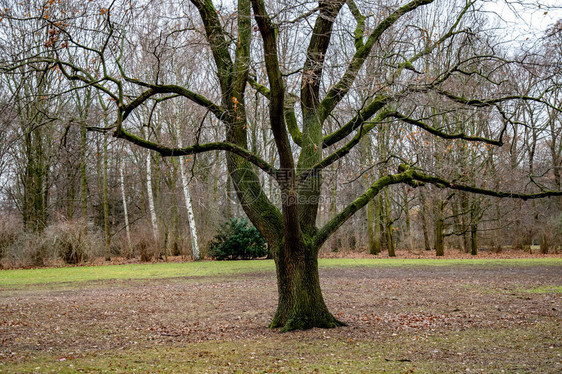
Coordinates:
<point>543,289</point>
<point>389,262</point>
<point>24,277</point>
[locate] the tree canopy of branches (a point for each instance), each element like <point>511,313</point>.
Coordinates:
<point>334,74</point>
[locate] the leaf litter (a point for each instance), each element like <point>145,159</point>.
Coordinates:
<point>415,308</point>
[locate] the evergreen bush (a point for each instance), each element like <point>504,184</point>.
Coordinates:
<point>238,240</point>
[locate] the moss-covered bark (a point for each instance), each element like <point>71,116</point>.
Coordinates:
<point>423,210</point>
<point>474,239</point>
<point>439,230</point>
<point>301,305</point>
<point>475,215</point>
<point>373,230</point>
<point>389,228</point>
<point>34,181</point>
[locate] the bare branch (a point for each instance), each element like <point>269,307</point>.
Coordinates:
<point>336,222</point>
<point>196,149</point>
<point>444,135</point>
<point>443,183</point>
<point>334,96</point>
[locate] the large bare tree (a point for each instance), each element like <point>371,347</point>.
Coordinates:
<point>333,72</point>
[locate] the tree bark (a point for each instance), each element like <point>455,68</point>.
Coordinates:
<point>189,208</point>
<point>300,302</point>
<point>336,242</point>
<point>373,240</point>
<point>388,225</point>
<point>35,180</point>
<point>439,230</point>
<point>456,224</point>
<point>474,239</point>
<point>151,208</point>
<point>83,174</point>
<point>378,223</point>
<point>475,216</point>
<point>409,238</point>
<point>106,202</point>
<point>125,210</point>
<point>374,245</point>
<point>423,211</point>
<point>465,225</point>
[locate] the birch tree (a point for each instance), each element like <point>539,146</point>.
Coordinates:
<point>149,192</point>
<point>188,205</point>
<point>125,209</point>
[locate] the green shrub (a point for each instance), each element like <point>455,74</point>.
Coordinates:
<point>237,240</point>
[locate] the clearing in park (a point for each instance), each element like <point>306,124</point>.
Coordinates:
<point>403,315</point>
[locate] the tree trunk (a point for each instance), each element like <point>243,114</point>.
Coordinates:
<point>300,304</point>
<point>456,224</point>
<point>498,237</point>
<point>464,223</point>
<point>373,241</point>
<point>374,244</point>
<point>188,206</point>
<point>190,215</point>
<point>474,239</point>
<point>70,191</point>
<point>153,218</point>
<point>83,174</point>
<point>125,210</point>
<point>35,181</point>
<point>162,233</point>
<point>106,202</point>
<point>336,242</point>
<point>176,250</point>
<point>388,225</point>
<point>439,228</point>
<point>474,219</point>
<point>408,238</point>
<point>423,211</point>
<point>378,224</point>
<point>228,197</point>
<point>544,242</point>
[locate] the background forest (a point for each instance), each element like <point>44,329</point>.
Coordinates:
<point>70,191</point>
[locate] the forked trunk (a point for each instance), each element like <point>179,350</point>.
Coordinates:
<point>301,305</point>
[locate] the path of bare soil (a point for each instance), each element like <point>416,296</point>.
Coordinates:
<point>400,305</point>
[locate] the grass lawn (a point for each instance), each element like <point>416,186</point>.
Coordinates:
<point>404,316</point>
<point>23,277</point>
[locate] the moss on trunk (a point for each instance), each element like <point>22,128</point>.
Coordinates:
<point>474,239</point>
<point>301,305</point>
<point>439,231</point>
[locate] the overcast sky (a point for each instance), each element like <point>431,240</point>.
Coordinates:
<point>524,19</point>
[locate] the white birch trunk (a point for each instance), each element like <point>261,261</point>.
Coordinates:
<point>151,208</point>
<point>188,205</point>
<point>125,212</point>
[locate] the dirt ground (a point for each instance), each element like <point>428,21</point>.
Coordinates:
<point>512,316</point>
